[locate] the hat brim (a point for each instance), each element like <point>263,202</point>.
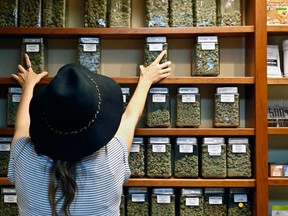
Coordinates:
<point>73,147</point>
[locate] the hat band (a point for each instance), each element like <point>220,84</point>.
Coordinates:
<point>85,127</point>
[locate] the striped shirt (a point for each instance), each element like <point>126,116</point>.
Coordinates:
<point>100,179</point>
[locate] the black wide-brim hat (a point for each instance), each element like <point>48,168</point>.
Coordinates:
<point>76,114</point>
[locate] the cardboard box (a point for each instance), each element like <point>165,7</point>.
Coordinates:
<point>277,12</point>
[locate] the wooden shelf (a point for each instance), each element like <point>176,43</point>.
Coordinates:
<point>277,29</point>
<point>272,181</point>
<point>124,33</point>
<point>277,130</point>
<point>169,80</point>
<point>277,81</point>
<point>4,181</point>
<point>173,182</point>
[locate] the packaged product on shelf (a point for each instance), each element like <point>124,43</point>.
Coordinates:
<point>215,202</point>
<point>137,201</point>
<point>188,109</point>
<point>279,210</point>
<point>30,13</point>
<point>119,13</point>
<point>126,96</point>
<point>137,157</point>
<point>158,107</point>
<point>285,57</point>
<point>213,158</point>
<point>277,12</point>
<point>181,13</point>
<point>191,202</point>
<point>154,45</point>
<point>273,61</point>
<point>227,107</point>
<point>54,13</point>
<point>229,13</point>
<point>9,13</point>
<point>122,208</point>
<point>239,158</point>
<point>89,53</point>
<point>163,201</point>
<point>207,56</point>
<point>35,48</point>
<point>159,157</point>
<point>4,155</point>
<point>13,99</point>
<point>205,13</point>
<point>186,163</point>
<point>157,13</point>
<point>239,202</point>
<point>95,13</point>
<point>285,170</point>
<point>275,170</point>
<point>8,202</point>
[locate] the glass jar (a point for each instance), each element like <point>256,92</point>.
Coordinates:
<point>119,13</point>
<point>163,201</point>
<point>95,12</point>
<point>5,148</point>
<point>54,13</point>
<point>239,158</point>
<point>126,96</point>
<point>13,99</point>
<point>122,205</point>
<point>30,13</point>
<point>89,53</point>
<point>157,13</point>
<point>35,49</point>
<point>137,158</point>
<point>191,202</point>
<point>207,56</point>
<point>154,45</point>
<point>181,13</point>
<point>213,158</point>
<point>227,107</point>
<point>186,158</point>
<point>205,12</point>
<point>159,157</point>
<point>229,13</point>
<point>215,202</point>
<point>8,202</point>
<point>158,107</point>
<point>137,201</point>
<point>188,109</point>
<point>9,13</point>
<point>239,202</point>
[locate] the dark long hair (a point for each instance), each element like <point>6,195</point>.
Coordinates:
<point>62,178</point>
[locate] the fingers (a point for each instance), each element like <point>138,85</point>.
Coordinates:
<point>160,56</point>
<point>165,64</point>
<point>28,62</point>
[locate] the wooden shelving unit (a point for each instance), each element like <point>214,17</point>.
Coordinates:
<point>277,181</point>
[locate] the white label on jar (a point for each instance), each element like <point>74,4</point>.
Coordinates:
<point>89,47</point>
<point>156,47</point>
<point>138,197</point>
<point>186,148</point>
<point>159,148</point>
<point>32,48</point>
<point>163,199</point>
<point>158,98</point>
<point>192,201</point>
<point>208,46</point>
<point>240,198</point>
<point>214,150</point>
<point>230,98</point>
<point>135,148</point>
<point>10,198</point>
<point>16,98</point>
<point>215,200</point>
<point>188,98</point>
<point>239,148</point>
<point>124,98</point>
<point>5,147</point>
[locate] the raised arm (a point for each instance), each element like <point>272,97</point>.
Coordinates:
<point>27,79</point>
<point>148,76</point>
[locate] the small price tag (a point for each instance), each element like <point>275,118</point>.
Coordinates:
<point>138,197</point>
<point>215,200</point>
<point>5,147</point>
<point>192,201</point>
<point>32,48</point>
<point>89,47</point>
<point>158,98</point>
<point>159,148</point>
<point>208,46</point>
<point>10,198</point>
<point>16,98</point>
<point>188,98</point>
<point>156,47</point>
<point>239,149</point>
<point>186,148</point>
<point>229,98</point>
<point>135,148</point>
<point>214,150</point>
<point>240,198</point>
<point>163,199</point>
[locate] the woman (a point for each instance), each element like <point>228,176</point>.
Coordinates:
<point>71,143</point>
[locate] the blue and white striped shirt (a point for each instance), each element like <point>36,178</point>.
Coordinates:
<point>100,179</point>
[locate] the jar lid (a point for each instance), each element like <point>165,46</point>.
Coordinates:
<point>191,191</point>
<point>186,140</point>
<point>156,39</point>
<point>138,140</point>
<point>137,190</point>
<point>89,40</point>
<point>239,190</point>
<point>188,90</point>
<point>213,140</point>
<point>125,90</point>
<point>168,191</point>
<point>238,140</point>
<point>214,190</point>
<point>159,90</point>
<point>8,190</point>
<point>32,40</point>
<point>227,90</point>
<point>5,139</point>
<point>159,140</point>
<point>15,90</point>
<point>207,39</point>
